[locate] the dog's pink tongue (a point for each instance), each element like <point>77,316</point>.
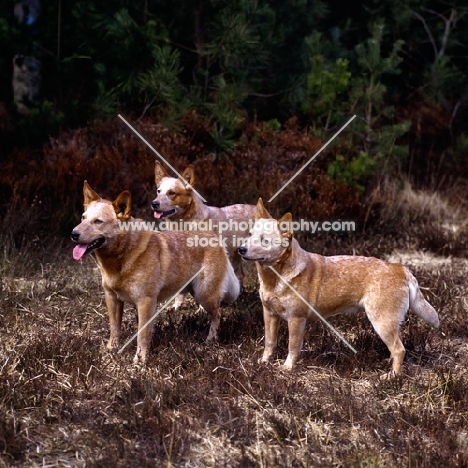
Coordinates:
<point>79,251</point>
<point>157,214</point>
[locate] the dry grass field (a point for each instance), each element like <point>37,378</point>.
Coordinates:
<point>65,401</point>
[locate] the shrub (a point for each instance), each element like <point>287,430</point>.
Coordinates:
<point>111,158</point>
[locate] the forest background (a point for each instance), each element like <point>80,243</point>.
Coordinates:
<point>218,74</point>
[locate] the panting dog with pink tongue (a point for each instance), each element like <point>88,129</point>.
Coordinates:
<point>145,267</point>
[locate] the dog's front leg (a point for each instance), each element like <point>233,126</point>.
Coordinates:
<point>115,311</point>
<point>146,307</point>
<point>214,325</point>
<point>296,327</point>
<point>271,321</point>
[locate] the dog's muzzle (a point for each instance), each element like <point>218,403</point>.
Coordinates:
<point>158,214</point>
<point>242,250</point>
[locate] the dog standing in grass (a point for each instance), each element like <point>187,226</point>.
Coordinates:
<point>145,267</point>
<point>331,285</point>
<point>177,200</point>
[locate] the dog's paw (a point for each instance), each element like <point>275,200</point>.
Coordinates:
<point>213,343</point>
<point>137,367</point>
<point>289,364</point>
<point>388,376</point>
<point>178,301</point>
<point>287,367</point>
<point>140,357</point>
<point>212,338</point>
<point>113,343</point>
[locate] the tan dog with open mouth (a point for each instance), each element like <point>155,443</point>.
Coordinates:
<point>177,200</point>
<point>145,267</point>
<point>331,285</point>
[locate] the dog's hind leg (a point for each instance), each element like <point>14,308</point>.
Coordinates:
<point>211,304</point>
<point>115,311</point>
<point>387,325</point>
<point>217,283</point>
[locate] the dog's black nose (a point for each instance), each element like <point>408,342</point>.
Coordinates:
<point>155,205</point>
<point>74,236</point>
<point>242,249</point>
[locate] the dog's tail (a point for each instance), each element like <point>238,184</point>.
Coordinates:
<point>231,284</point>
<point>418,304</point>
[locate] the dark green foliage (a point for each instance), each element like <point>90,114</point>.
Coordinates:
<point>232,62</point>
<point>351,172</point>
<point>326,88</point>
<point>39,124</point>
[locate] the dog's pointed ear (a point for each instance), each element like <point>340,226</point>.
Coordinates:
<point>261,212</point>
<point>123,205</point>
<point>159,173</point>
<point>189,175</point>
<point>285,225</point>
<point>89,195</point>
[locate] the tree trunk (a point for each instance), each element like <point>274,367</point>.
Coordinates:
<point>26,69</point>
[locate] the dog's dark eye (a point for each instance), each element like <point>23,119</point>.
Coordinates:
<point>98,221</point>
<point>159,190</point>
<point>171,193</point>
<point>265,242</point>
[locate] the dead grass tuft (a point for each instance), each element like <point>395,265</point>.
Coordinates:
<point>425,220</point>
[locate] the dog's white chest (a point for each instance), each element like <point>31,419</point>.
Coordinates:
<point>278,302</point>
